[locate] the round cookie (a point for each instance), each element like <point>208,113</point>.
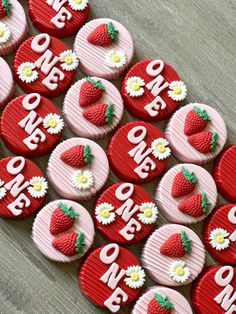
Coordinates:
<point>105,48</point>
<point>125,213</point>
<point>219,234</point>
<point>214,291</point>
<point>31,125</point>
<point>152,90</point>
<point>58,18</point>
<point>22,187</point>
<point>93,107</point>
<point>6,83</point>
<point>142,150</point>
<point>186,194</point>
<point>115,273</point>
<point>78,168</point>
<point>173,255</point>
<point>63,231</point>
<point>197,133</point>
<point>158,299</point>
<point>224,173</point>
<point>13,26</point>
<point>45,65</point>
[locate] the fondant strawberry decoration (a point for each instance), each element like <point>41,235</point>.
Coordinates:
<point>184,183</point>
<point>196,121</point>
<point>5,8</point>
<point>100,114</point>
<point>205,142</point>
<point>62,219</point>
<point>103,35</point>
<point>70,244</point>
<point>78,156</point>
<point>177,245</point>
<point>195,205</point>
<point>90,92</point>
<point>160,305</point>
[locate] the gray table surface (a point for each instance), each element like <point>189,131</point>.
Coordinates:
<point>198,39</point>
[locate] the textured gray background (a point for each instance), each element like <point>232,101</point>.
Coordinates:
<point>198,39</point>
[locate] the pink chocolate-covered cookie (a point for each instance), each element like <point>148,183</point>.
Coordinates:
<point>197,133</point>
<point>63,231</point>
<point>6,83</point>
<point>105,48</point>
<point>78,168</point>
<point>93,107</point>
<point>173,255</point>
<point>186,194</point>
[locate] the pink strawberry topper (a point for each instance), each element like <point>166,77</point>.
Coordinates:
<point>100,114</point>
<point>205,142</point>
<point>195,205</point>
<point>70,244</point>
<point>160,304</point>
<point>196,121</point>
<point>91,91</point>
<point>184,183</point>
<point>176,245</point>
<point>78,156</point>
<point>103,35</point>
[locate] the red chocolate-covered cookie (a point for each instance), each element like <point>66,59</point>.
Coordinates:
<point>215,291</point>
<point>45,65</point>
<point>138,152</point>
<point>22,187</point>
<point>152,90</point>
<point>58,18</point>
<point>125,213</point>
<point>111,277</point>
<point>219,234</point>
<point>225,175</point>
<point>31,125</point>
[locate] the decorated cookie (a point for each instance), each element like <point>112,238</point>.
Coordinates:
<point>111,277</point>
<point>186,194</point>
<point>22,187</point>
<point>45,65</point>
<point>214,292</point>
<point>219,234</point>
<point>63,231</point>
<point>13,26</point>
<point>161,300</point>
<point>93,107</point>
<point>31,125</point>
<point>197,133</point>
<point>224,173</point>
<point>6,82</point>
<point>105,48</point>
<point>173,255</point>
<point>78,168</point>
<point>125,213</point>
<point>152,90</point>
<point>58,18</point>
<point>141,149</point>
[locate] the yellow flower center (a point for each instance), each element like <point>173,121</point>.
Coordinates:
<point>115,58</point>
<point>161,148</point>
<point>147,212</point>
<point>78,1</point>
<point>83,179</point>
<point>179,271</point>
<point>68,60</point>
<point>37,186</point>
<point>136,86</point>
<point>28,72</point>
<point>52,123</point>
<point>134,276</point>
<point>105,213</point>
<point>220,239</point>
<point>177,90</point>
<point>1,32</point>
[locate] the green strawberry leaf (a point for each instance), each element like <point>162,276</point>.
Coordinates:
<point>186,241</point>
<point>113,33</point>
<point>189,176</point>
<point>163,301</point>
<point>214,142</point>
<point>109,114</point>
<point>68,211</point>
<point>88,155</point>
<point>80,243</point>
<point>205,203</point>
<point>96,83</point>
<point>202,113</point>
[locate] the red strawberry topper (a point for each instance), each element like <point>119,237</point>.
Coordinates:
<point>196,121</point>
<point>5,8</point>
<point>90,92</point>
<point>103,35</point>
<point>70,244</point>
<point>184,183</point>
<point>160,305</point>
<point>195,205</point>
<point>176,245</point>
<point>205,142</point>
<point>78,156</point>
<point>100,114</point>
<point>62,219</point>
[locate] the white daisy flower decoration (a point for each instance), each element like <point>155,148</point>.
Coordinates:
<point>179,272</point>
<point>5,33</point>
<point>160,148</point>
<point>78,5</point>
<point>177,90</point>
<point>218,239</point>
<point>53,123</point>
<point>135,277</point>
<point>148,213</point>
<point>115,59</point>
<point>38,187</point>
<point>3,190</point>
<point>27,72</point>
<point>82,179</point>
<point>104,213</point>
<point>69,60</point>
<point>134,86</point>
